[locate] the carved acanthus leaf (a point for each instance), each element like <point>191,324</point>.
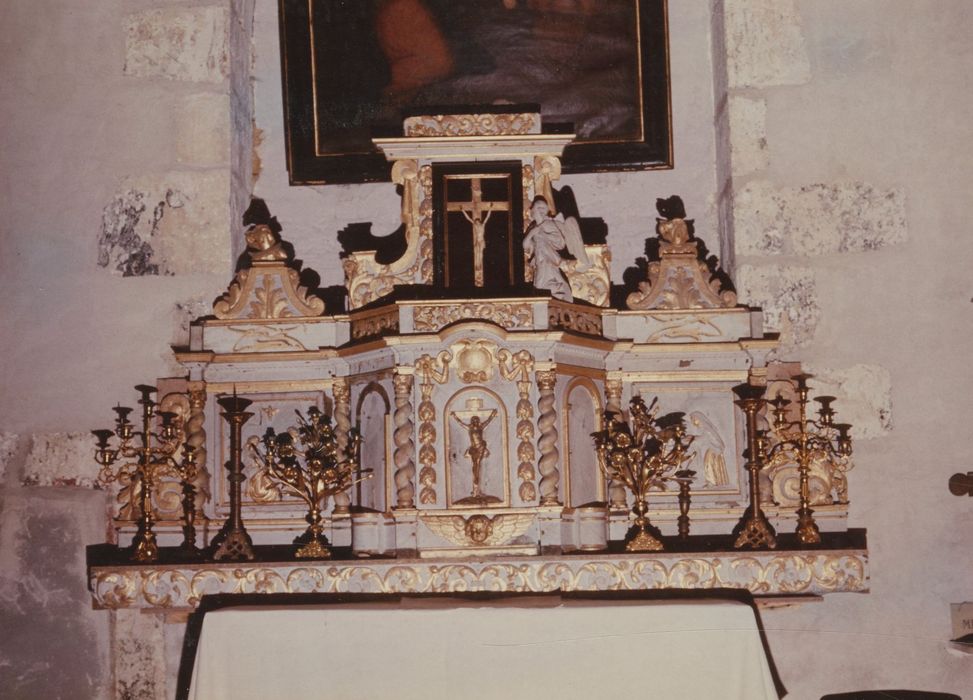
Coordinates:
<point>267,290</point>
<point>679,279</point>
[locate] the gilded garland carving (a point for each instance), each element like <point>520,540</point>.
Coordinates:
<point>431,371</point>
<point>573,318</point>
<point>547,442</point>
<point>770,573</point>
<point>405,468</point>
<point>508,315</point>
<point>472,125</point>
<point>517,367</point>
<point>375,324</point>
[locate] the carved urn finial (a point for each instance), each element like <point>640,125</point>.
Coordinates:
<point>269,287</point>
<point>679,279</point>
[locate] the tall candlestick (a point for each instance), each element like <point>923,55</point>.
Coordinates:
<point>233,541</point>
<point>754,530</point>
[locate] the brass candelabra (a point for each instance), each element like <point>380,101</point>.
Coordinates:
<point>147,456</point>
<point>642,456</point>
<point>803,441</point>
<point>313,471</point>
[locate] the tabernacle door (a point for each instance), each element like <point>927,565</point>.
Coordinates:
<point>478,227</point>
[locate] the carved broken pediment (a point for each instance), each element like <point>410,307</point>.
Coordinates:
<point>271,286</point>
<point>679,279</point>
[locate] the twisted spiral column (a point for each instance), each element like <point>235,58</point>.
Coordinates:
<point>547,442</point>
<point>405,467</point>
<point>196,437</point>
<point>342,418</point>
<point>617,498</point>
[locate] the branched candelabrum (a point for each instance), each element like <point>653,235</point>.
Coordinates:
<point>147,456</point>
<point>314,471</point>
<point>642,456</point>
<point>804,441</point>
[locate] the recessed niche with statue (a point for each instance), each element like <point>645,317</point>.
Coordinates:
<point>484,409</point>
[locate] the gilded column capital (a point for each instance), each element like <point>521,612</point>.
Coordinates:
<point>546,379</point>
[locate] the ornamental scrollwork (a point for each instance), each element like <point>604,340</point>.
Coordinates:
<point>770,573</point>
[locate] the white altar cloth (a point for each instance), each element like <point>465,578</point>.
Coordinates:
<point>526,648</point>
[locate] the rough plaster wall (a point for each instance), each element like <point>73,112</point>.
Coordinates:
<point>116,218</point>
<point>851,163</point>
<point>312,216</point>
<point>54,645</point>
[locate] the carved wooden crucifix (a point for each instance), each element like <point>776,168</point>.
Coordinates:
<point>477,212</point>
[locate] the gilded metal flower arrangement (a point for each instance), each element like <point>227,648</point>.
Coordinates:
<point>147,455</point>
<point>315,470</point>
<point>642,455</point>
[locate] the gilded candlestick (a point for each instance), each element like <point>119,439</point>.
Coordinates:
<point>684,477</point>
<point>233,541</point>
<point>188,470</point>
<point>754,530</point>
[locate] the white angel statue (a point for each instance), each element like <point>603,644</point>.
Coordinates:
<point>544,240</point>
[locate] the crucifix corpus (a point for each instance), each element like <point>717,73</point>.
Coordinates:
<point>477,212</point>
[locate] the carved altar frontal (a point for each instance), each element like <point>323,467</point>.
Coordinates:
<point>476,366</point>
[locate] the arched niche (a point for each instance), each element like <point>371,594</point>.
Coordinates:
<point>495,474</point>
<point>581,416</point>
<point>372,417</point>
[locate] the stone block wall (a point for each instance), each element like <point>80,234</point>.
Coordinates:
<point>126,165</point>
<point>835,210</point>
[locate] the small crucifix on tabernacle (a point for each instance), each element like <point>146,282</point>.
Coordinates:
<point>477,212</point>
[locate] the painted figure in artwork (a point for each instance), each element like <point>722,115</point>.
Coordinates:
<point>478,450</point>
<point>544,240</point>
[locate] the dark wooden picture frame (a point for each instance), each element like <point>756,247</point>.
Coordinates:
<point>341,89</point>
